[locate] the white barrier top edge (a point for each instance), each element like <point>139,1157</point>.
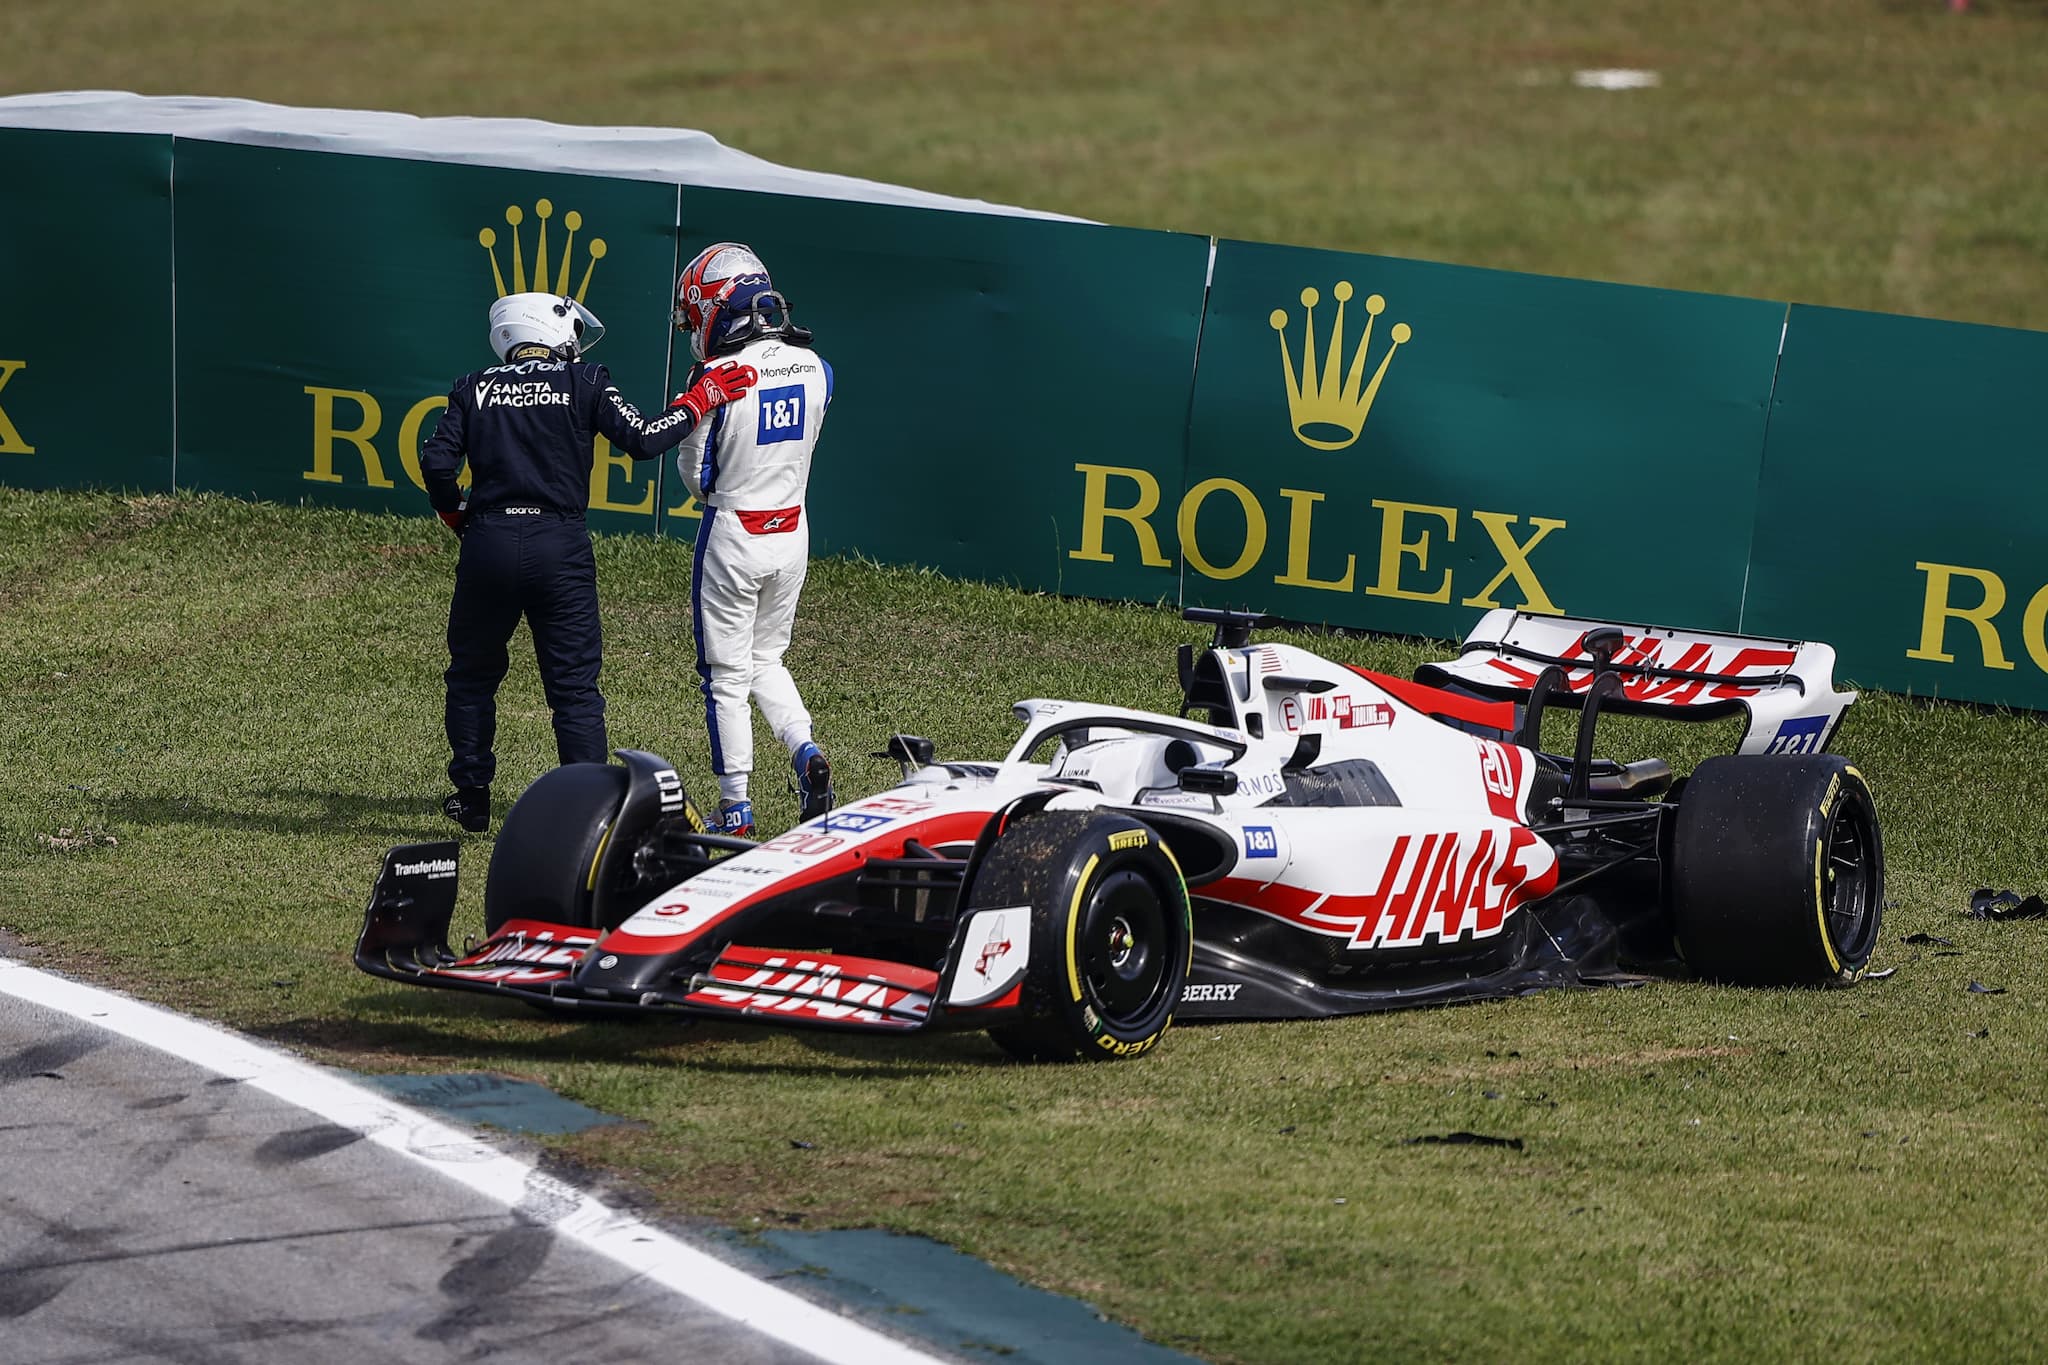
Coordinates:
<point>671,155</point>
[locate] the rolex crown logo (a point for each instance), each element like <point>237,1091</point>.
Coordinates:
<point>543,210</point>
<point>1329,409</point>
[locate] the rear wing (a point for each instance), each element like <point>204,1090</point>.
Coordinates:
<point>1784,687</point>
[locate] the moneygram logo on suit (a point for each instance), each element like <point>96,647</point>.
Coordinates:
<point>352,421</point>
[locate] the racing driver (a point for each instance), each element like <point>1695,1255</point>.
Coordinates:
<point>526,427</point>
<point>749,467</point>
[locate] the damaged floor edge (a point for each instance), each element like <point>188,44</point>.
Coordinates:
<point>461,1156</point>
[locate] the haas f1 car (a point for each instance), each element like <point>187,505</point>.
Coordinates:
<point>1304,839</point>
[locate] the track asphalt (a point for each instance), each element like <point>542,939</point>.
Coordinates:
<point>170,1191</point>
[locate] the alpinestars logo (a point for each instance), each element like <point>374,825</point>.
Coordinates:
<point>1327,404</point>
<point>543,212</point>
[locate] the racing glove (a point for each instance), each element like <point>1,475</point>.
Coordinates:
<point>455,520</point>
<point>717,387</point>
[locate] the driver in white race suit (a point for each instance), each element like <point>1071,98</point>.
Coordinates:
<point>749,466</point>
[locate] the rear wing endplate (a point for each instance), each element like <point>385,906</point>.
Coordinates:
<point>1785,688</point>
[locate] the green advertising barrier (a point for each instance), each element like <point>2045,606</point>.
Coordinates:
<point>1400,445</point>
<point>1379,443</point>
<point>326,303</point>
<point>85,328</point>
<point>1902,488</point>
<point>979,362</point>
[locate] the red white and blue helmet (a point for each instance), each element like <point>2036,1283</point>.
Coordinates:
<point>722,280</point>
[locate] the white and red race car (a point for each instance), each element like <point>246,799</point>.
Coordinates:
<point>1304,839</point>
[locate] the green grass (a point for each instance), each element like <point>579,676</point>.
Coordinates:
<point>1883,154</point>
<point>238,708</point>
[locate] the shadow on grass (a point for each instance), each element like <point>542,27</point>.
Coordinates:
<point>441,1026</point>
<point>293,810</point>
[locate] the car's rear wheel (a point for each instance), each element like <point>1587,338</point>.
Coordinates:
<point>1777,870</point>
<point>543,866</point>
<point>1112,934</point>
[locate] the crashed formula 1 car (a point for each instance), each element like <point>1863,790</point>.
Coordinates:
<point>1304,839</point>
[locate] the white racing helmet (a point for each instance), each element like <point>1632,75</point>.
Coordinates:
<point>555,321</point>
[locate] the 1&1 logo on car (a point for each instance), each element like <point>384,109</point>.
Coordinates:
<point>1800,735</point>
<point>855,822</point>
<point>1260,842</point>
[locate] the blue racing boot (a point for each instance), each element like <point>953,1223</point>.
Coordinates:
<point>813,781</point>
<point>736,818</point>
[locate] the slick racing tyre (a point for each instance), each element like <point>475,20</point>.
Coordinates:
<point>1777,870</point>
<point>544,862</point>
<point>1112,934</point>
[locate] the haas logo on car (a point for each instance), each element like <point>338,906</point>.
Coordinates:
<point>990,953</point>
<point>1432,888</point>
<point>518,957</point>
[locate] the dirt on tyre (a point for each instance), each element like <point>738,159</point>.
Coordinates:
<point>543,862</point>
<point>1777,870</point>
<point>1112,934</point>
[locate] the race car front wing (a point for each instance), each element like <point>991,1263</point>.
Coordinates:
<point>405,938</point>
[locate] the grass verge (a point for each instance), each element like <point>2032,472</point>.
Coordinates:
<point>219,715</point>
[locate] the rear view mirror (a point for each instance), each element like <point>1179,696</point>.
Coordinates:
<point>1208,781</point>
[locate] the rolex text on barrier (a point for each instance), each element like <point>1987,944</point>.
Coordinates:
<point>1397,445</point>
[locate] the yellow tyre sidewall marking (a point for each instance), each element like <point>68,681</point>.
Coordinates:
<point>590,882</point>
<point>1187,909</point>
<point>1820,904</point>
<point>1074,925</point>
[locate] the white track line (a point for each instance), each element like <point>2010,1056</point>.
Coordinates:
<point>462,1157</point>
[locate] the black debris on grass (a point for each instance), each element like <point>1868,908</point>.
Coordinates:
<point>1463,1139</point>
<point>1988,904</point>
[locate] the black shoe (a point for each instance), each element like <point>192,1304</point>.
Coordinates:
<point>469,807</point>
<point>813,782</point>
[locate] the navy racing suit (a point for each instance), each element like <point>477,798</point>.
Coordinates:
<point>527,429</point>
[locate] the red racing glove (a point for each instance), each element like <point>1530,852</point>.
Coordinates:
<point>717,387</point>
<point>454,520</point>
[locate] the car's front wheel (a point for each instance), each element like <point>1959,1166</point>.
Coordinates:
<point>543,866</point>
<point>1112,934</point>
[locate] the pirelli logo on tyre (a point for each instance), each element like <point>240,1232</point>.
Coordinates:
<point>1129,838</point>
<point>1116,1047</point>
